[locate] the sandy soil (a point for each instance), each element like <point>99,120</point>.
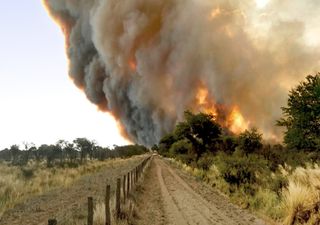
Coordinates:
<point>68,205</point>
<point>172,197</point>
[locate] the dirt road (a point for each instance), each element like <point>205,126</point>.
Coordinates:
<point>68,205</point>
<point>178,199</point>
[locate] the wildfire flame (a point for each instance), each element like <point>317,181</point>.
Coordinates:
<point>237,122</point>
<point>204,103</point>
<point>231,119</point>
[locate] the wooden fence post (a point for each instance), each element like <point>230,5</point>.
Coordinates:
<point>128,184</point>
<point>137,174</point>
<point>52,222</point>
<point>107,206</point>
<point>124,189</point>
<point>132,180</point>
<point>90,211</point>
<point>118,198</point>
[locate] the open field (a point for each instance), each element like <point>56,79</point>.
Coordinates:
<point>66,201</point>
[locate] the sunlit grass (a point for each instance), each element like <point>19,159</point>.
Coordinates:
<point>301,200</point>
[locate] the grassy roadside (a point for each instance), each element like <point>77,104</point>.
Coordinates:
<point>19,183</point>
<point>286,196</point>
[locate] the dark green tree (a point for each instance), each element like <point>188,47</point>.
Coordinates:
<point>200,129</point>
<point>301,117</point>
<point>250,141</point>
<point>165,143</point>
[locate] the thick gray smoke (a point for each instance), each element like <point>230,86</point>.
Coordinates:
<point>145,60</point>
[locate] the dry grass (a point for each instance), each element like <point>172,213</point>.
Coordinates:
<point>301,200</point>
<point>17,184</point>
<point>129,211</point>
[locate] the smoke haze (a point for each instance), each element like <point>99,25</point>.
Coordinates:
<point>146,61</point>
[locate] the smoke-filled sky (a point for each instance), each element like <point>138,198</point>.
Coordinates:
<point>38,102</point>
<point>146,61</point>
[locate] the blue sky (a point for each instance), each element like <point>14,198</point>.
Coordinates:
<point>38,102</point>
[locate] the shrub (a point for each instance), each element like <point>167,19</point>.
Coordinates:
<point>278,184</point>
<point>205,161</point>
<point>228,144</point>
<point>237,170</point>
<point>250,141</point>
<point>27,173</point>
<point>182,150</point>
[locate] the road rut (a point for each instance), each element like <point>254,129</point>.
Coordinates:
<point>184,205</point>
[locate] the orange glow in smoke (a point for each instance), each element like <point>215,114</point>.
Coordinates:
<point>132,64</point>
<point>203,101</point>
<point>215,13</point>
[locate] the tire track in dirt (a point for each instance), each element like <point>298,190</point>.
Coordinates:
<point>173,212</point>
<point>184,205</point>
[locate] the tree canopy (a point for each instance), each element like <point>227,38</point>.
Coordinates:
<point>200,131</point>
<point>301,117</point>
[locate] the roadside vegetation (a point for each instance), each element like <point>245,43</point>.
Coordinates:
<point>281,182</point>
<point>32,171</point>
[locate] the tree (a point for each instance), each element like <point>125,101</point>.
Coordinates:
<point>182,150</point>
<point>48,152</point>
<point>250,141</point>
<point>204,127</point>
<point>200,129</point>
<point>165,143</point>
<point>85,147</point>
<point>301,117</point>
<point>70,151</point>
<point>15,151</point>
<point>29,149</point>
<point>61,146</point>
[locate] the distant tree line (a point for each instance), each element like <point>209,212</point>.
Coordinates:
<point>66,153</point>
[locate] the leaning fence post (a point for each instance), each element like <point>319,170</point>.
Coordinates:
<point>90,211</point>
<point>52,222</point>
<point>118,198</point>
<point>107,206</point>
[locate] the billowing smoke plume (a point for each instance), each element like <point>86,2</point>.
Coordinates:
<point>147,61</point>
